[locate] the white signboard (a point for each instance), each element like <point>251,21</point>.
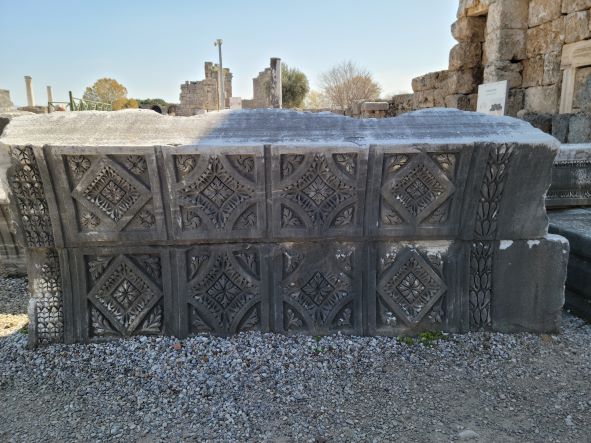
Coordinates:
<point>492,98</point>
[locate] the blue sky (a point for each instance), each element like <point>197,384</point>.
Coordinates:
<point>153,46</point>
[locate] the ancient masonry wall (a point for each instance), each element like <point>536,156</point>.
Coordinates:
<point>521,41</point>
<point>200,96</point>
<point>261,87</point>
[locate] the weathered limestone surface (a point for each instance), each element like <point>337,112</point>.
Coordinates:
<point>12,257</point>
<point>137,223</point>
<point>575,225</point>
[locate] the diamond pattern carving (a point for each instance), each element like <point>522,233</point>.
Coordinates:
<point>319,193</point>
<point>124,295</point>
<point>217,196</point>
<point>415,189</point>
<point>319,288</point>
<point>223,289</point>
<point>111,193</point>
<point>410,287</point>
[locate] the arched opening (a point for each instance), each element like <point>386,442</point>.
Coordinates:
<point>156,108</point>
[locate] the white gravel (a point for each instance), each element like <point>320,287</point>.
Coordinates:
<point>264,387</point>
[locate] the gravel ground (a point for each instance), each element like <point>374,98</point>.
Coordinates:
<point>256,387</point>
<point>14,298</point>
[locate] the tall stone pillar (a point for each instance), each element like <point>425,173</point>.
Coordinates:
<point>276,94</point>
<point>29,86</point>
<point>49,94</point>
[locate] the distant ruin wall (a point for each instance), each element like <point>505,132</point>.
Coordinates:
<point>521,41</point>
<point>202,96</point>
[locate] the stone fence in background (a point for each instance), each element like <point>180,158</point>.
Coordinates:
<point>272,220</point>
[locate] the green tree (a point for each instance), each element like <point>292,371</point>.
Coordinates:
<point>153,101</point>
<point>105,90</point>
<point>294,87</point>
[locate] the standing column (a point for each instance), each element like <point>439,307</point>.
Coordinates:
<point>276,93</point>
<point>49,94</point>
<point>29,86</point>
<point>222,94</point>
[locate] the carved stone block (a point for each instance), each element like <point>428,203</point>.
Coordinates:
<point>317,288</point>
<point>216,194</point>
<point>108,194</point>
<point>223,289</point>
<point>122,292</point>
<point>413,287</point>
<point>571,178</point>
<point>276,220</point>
<point>318,194</point>
<point>417,190</point>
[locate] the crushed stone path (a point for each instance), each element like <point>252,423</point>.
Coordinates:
<point>264,387</point>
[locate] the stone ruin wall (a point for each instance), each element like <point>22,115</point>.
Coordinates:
<point>200,96</point>
<point>5,102</point>
<point>261,97</point>
<point>520,41</point>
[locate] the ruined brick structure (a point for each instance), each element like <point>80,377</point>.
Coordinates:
<point>533,44</point>
<point>199,96</point>
<point>261,97</point>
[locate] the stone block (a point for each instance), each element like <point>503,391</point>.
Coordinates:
<point>223,289</point>
<point>459,101</point>
<point>546,38</point>
<point>515,102</point>
<point>400,212</point>
<point>276,220</point>
<point>505,45</point>
<point>579,128</point>
<point>464,81</point>
<point>560,124</point>
<point>552,72</point>
<point>575,225</point>
<point>465,56</point>
<point>569,6</point>
<point>120,292</point>
<point>542,99</point>
<point>504,70</point>
<point>6,104</point>
<point>469,29</point>
<point>474,8</point>
<point>582,90</point>
<point>428,81</point>
<point>318,194</point>
<point>543,11</point>
<point>424,99</point>
<point>577,27</point>
<point>108,194</point>
<point>317,288</point>
<point>529,278</point>
<point>541,121</point>
<point>401,103</point>
<point>395,269</point>
<point>571,177</point>
<point>439,98</point>
<point>507,14</point>
<point>13,262</point>
<point>374,106</point>
<point>217,193</point>
<point>533,71</point>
